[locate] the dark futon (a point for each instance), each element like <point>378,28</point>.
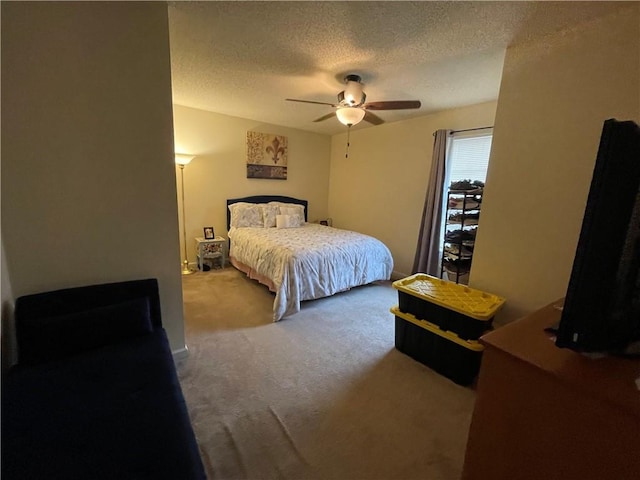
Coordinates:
<point>95,394</point>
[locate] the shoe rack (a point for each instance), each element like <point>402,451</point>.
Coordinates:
<point>462,216</point>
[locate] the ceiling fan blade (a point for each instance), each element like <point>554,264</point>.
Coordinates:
<point>325,117</point>
<point>393,105</point>
<point>373,119</point>
<point>308,101</point>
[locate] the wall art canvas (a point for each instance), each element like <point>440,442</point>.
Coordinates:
<point>267,156</point>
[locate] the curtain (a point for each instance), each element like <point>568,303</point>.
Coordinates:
<point>427,258</point>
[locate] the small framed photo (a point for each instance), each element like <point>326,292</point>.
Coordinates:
<point>208,233</point>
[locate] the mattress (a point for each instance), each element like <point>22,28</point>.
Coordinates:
<point>309,262</point>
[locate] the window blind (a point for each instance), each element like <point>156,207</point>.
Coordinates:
<point>469,157</point>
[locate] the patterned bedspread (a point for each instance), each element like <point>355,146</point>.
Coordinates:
<point>312,261</point>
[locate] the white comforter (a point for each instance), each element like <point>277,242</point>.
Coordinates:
<point>311,261</point>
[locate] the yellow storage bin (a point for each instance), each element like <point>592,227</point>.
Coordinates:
<point>463,310</point>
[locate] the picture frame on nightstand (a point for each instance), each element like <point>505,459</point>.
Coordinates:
<point>208,233</point>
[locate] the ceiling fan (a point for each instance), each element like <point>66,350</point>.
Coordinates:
<point>352,108</point>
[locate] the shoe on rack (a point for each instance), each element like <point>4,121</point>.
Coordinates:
<point>463,221</point>
<point>457,266</point>
<point>466,185</point>
<point>461,185</point>
<point>454,252</point>
<point>453,236</point>
<point>466,203</point>
<point>459,217</point>
<point>471,233</point>
<point>457,236</point>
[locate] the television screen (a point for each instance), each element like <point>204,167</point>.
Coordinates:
<point>602,305</point>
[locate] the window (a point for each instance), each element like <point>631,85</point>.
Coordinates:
<point>468,157</point>
<point>467,160</point>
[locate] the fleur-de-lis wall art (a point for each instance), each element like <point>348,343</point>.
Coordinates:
<point>276,150</point>
<point>266,156</point>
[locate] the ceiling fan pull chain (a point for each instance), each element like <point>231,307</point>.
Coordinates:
<point>346,155</point>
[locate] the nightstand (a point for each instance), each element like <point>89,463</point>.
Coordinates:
<point>214,248</point>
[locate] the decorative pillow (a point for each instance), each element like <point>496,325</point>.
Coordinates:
<point>60,336</point>
<point>299,208</point>
<point>287,221</point>
<point>269,213</point>
<point>294,210</point>
<point>235,207</point>
<point>246,216</point>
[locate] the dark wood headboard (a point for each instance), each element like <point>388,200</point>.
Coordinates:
<point>265,199</point>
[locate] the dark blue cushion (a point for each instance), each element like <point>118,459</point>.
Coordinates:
<point>55,337</point>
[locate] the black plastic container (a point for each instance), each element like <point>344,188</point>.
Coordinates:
<point>441,351</point>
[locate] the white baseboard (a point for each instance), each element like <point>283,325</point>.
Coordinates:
<point>180,353</point>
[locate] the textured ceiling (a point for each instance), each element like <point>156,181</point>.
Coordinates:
<point>244,58</point>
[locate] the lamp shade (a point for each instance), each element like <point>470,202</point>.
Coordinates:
<point>350,115</point>
<point>182,159</point>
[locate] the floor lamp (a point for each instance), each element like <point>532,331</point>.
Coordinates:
<point>181,161</point>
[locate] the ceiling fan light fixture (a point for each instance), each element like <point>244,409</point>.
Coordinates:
<point>350,115</point>
<point>353,93</point>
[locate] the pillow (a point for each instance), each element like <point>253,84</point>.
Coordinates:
<point>300,208</point>
<point>63,335</point>
<point>236,207</point>
<point>293,210</point>
<point>287,221</point>
<point>246,215</point>
<point>269,213</point>
<point>233,206</point>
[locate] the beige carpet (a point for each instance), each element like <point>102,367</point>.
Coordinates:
<point>319,395</point>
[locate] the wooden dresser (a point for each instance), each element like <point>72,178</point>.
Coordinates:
<point>545,413</point>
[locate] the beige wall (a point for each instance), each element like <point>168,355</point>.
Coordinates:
<point>555,95</point>
<point>380,188</point>
<point>88,183</point>
<point>219,170</point>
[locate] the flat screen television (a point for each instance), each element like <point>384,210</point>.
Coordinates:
<point>602,305</point>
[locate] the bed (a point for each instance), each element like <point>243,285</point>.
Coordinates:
<point>272,242</point>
